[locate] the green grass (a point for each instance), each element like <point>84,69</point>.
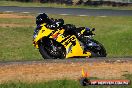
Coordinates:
<point>115,33</point>
<point>37,4</point>
<point>16,44</point>
<point>59,84</point>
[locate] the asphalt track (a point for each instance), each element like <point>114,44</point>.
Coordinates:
<point>67,11</point>
<point>72,60</point>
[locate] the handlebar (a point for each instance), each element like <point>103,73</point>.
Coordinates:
<point>89,32</point>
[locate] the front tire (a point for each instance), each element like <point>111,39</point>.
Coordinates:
<point>46,51</point>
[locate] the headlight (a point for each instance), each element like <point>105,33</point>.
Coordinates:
<point>34,36</point>
<point>35,33</point>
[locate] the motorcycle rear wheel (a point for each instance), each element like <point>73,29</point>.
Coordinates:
<point>98,53</point>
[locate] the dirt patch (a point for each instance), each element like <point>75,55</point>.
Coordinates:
<point>49,71</point>
<point>16,16</point>
<point>14,25</point>
<point>4,15</point>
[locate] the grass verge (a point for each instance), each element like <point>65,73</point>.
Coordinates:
<point>113,32</point>
<point>59,84</point>
<point>37,4</point>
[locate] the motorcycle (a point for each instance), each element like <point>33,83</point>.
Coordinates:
<point>59,43</point>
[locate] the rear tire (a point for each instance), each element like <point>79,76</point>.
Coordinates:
<point>98,53</point>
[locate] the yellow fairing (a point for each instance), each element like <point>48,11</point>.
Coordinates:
<point>60,37</point>
<point>76,50</point>
<point>43,32</point>
<point>72,50</point>
<point>82,31</point>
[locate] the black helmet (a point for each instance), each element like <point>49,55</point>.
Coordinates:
<point>60,22</point>
<point>42,18</point>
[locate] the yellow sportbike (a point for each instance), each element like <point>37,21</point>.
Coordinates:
<point>56,43</point>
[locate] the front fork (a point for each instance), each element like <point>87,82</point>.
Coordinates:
<point>53,47</point>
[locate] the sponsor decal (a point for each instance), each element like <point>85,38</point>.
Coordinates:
<point>71,40</point>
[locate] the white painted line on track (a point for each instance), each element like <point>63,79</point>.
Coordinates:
<point>102,16</point>
<point>64,14</point>
<point>8,11</point>
<point>25,12</point>
<point>82,15</point>
<point>59,14</point>
<point>71,14</point>
<point>40,13</point>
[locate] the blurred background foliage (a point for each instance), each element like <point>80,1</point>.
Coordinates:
<point>113,3</point>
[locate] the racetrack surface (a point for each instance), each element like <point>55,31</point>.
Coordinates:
<point>44,70</point>
<point>67,11</point>
<point>74,60</point>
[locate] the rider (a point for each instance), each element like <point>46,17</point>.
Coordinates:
<point>51,23</point>
<point>58,23</point>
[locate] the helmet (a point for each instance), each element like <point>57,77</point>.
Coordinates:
<point>60,22</point>
<point>42,18</point>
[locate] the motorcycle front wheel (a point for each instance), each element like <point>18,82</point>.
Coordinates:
<point>51,50</point>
